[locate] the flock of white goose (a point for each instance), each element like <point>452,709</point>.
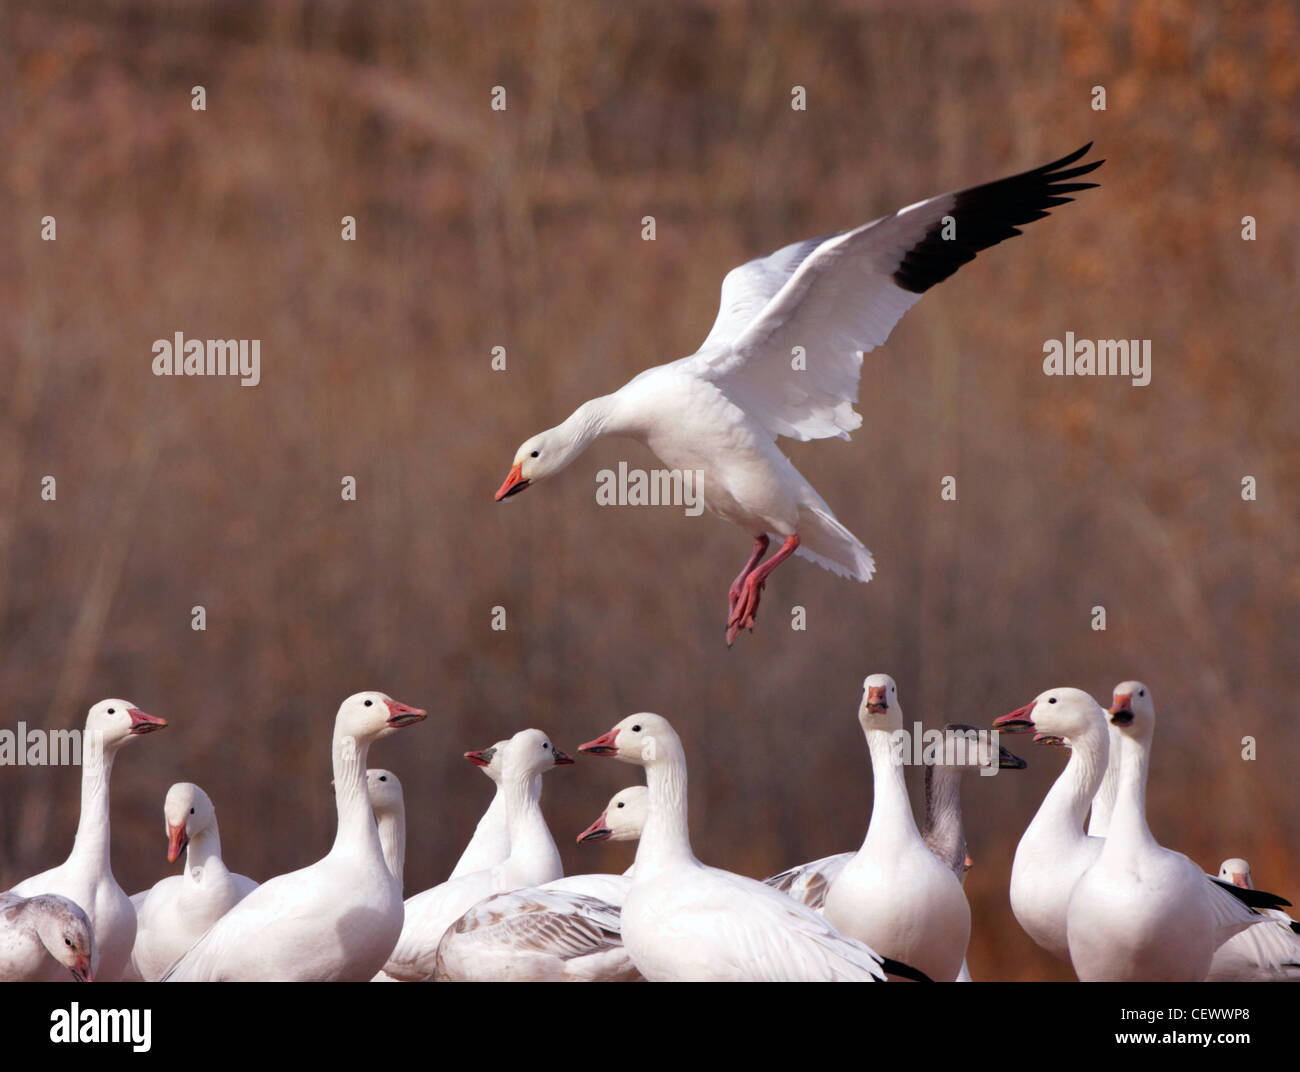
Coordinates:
<point>1109,898</point>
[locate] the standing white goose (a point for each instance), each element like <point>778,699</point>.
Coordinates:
<point>1268,952</point>
<point>336,920</point>
<point>491,841</point>
<point>1054,852</point>
<point>37,931</point>
<point>86,877</point>
<point>683,921</point>
<point>894,894</point>
<point>827,301</point>
<point>175,912</point>
<point>565,931</point>
<point>943,831</point>
<point>533,860</point>
<point>389,806</point>
<point>1143,912</point>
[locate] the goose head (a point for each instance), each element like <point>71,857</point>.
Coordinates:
<point>114,722</point>
<point>530,752</point>
<point>385,792</point>
<point>970,748</point>
<point>489,759</point>
<point>1236,871</point>
<point>367,716</point>
<point>1132,710</point>
<point>187,812</point>
<point>539,457</point>
<point>623,818</point>
<point>1055,716</point>
<point>639,739</point>
<point>65,931</point>
<point>879,709</point>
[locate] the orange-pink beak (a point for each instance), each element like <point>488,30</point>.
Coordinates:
<point>604,745</point>
<point>876,702</point>
<point>177,839</point>
<point>1018,721</point>
<point>142,723</point>
<point>514,482</point>
<point>597,831</point>
<point>400,714</point>
<point>81,969</point>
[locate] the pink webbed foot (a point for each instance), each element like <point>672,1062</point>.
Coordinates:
<point>737,586</point>
<point>744,605</point>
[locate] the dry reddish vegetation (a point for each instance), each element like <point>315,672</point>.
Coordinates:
<point>521,229</point>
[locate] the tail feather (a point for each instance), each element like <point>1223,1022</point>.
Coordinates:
<point>823,540</point>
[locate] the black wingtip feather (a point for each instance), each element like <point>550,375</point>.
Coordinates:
<point>989,214</point>
<point>1253,898</point>
<point>904,971</point>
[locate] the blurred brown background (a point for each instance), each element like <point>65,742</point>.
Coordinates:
<point>522,229</point>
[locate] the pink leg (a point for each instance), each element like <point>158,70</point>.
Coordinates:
<point>760,549</point>
<point>743,614</point>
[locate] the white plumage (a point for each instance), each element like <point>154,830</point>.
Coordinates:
<point>86,877</point>
<point>783,358</point>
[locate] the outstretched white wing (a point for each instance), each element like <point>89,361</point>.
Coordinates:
<point>839,296</point>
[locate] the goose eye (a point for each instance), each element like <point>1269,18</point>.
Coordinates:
<point>534,454</point>
<point>112,710</point>
<point>636,729</point>
<point>383,777</point>
<point>191,811</point>
<point>370,703</point>
<point>1142,692</point>
<point>545,745</point>
<point>67,942</point>
<point>620,803</point>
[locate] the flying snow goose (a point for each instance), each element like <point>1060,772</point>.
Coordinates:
<point>565,931</point>
<point>943,831</point>
<point>175,912</point>
<point>533,860</point>
<point>683,921</point>
<point>389,806</point>
<point>1055,852</point>
<point>895,894</point>
<point>491,841</point>
<point>337,919</point>
<point>35,931</point>
<point>783,359</point>
<point>1267,952</point>
<point>1143,912</point>
<point>86,877</point>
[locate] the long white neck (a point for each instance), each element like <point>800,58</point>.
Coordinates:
<point>93,834</point>
<point>1068,800</point>
<point>666,839</point>
<point>1103,804</point>
<point>531,844</point>
<point>891,811</point>
<point>356,830</point>
<point>491,841</point>
<point>593,419</point>
<point>392,840</point>
<point>204,849</point>
<point>1128,824</point>
<point>943,825</point>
